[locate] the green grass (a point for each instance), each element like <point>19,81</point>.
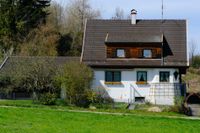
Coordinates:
<point>43,120</point>
<point>25,103</point>
<point>119,108</point>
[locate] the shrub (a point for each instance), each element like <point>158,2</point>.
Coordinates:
<point>5,81</point>
<point>76,79</point>
<point>102,100</point>
<point>178,105</point>
<point>30,75</point>
<point>1,56</point>
<point>82,100</point>
<point>196,61</point>
<point>48,98</point>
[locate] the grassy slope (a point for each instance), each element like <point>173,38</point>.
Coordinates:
<point>120,108</point>
<point>38,120</point>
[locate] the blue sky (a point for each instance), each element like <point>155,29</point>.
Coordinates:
<point>151,9</point>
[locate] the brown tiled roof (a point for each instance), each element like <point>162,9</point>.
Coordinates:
<point>99,32</point>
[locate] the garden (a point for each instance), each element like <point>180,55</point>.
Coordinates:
<point>58,104</point>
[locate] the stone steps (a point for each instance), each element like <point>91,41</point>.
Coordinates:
<point>195,108</point>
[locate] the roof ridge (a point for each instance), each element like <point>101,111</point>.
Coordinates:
<point>45,56</point>
<point>139,19</point>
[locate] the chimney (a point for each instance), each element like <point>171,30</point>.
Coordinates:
<point>133,16</point>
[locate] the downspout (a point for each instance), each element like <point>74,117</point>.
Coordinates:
<point>162,51</point>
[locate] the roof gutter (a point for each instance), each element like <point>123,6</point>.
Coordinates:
<point>163,60</point>
<point>3,63</point>
<point>83,46</point>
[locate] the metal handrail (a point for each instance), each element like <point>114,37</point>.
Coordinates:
<point>132,94</point>
<point>166,89</point>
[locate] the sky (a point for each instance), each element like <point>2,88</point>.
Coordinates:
<point>151,9</point>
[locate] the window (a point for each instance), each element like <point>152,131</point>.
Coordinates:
<point>120,53</point>
<point>113,76</point>
<point>147,53</point>
<point>141,77</point>
<point>164,76</point>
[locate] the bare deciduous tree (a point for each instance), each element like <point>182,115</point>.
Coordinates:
<point>192,49</point>
<point>119,14</point>
<point>56,17</point>
<point>76,13</point>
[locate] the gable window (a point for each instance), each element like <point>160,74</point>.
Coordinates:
<point>147,53</point>
<point>164,76</point>
<point>120,53</point>
<point>112,76</point>
<point>141,77</point>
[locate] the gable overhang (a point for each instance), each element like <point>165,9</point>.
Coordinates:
<point>182,69</point>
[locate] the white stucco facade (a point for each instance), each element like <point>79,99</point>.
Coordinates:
<point>129,89</point>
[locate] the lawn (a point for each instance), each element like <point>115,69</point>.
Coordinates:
<point>47,120</point>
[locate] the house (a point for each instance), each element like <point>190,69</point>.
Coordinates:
<point>137,60</point>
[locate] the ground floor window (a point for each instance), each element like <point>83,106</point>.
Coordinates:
<point>113,76</point>
<point>141,77</point>
<point>164,76</point>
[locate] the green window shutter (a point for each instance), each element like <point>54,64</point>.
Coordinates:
<point>113,76</point>
<point>108,76</point>
<point>117,76</point>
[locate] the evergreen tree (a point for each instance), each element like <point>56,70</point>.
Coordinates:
<point>18,17</point>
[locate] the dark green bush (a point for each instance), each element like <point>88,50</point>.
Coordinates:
<point>101,101</point>
<point>196,61</point>
<point>82,101</point>
<point>178,105</point>
<point>48,98</point>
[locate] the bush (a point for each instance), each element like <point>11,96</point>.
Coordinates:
<point>196,61</point>
<point>178,105</point>
<point>82,101</point>
<point>28,75</point>
<point>101,98</point>
<point>101,101</point>
<point>75,79</point>
<point>48,98</point>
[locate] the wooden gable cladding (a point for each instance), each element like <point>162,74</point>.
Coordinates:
<point>134,51</point>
